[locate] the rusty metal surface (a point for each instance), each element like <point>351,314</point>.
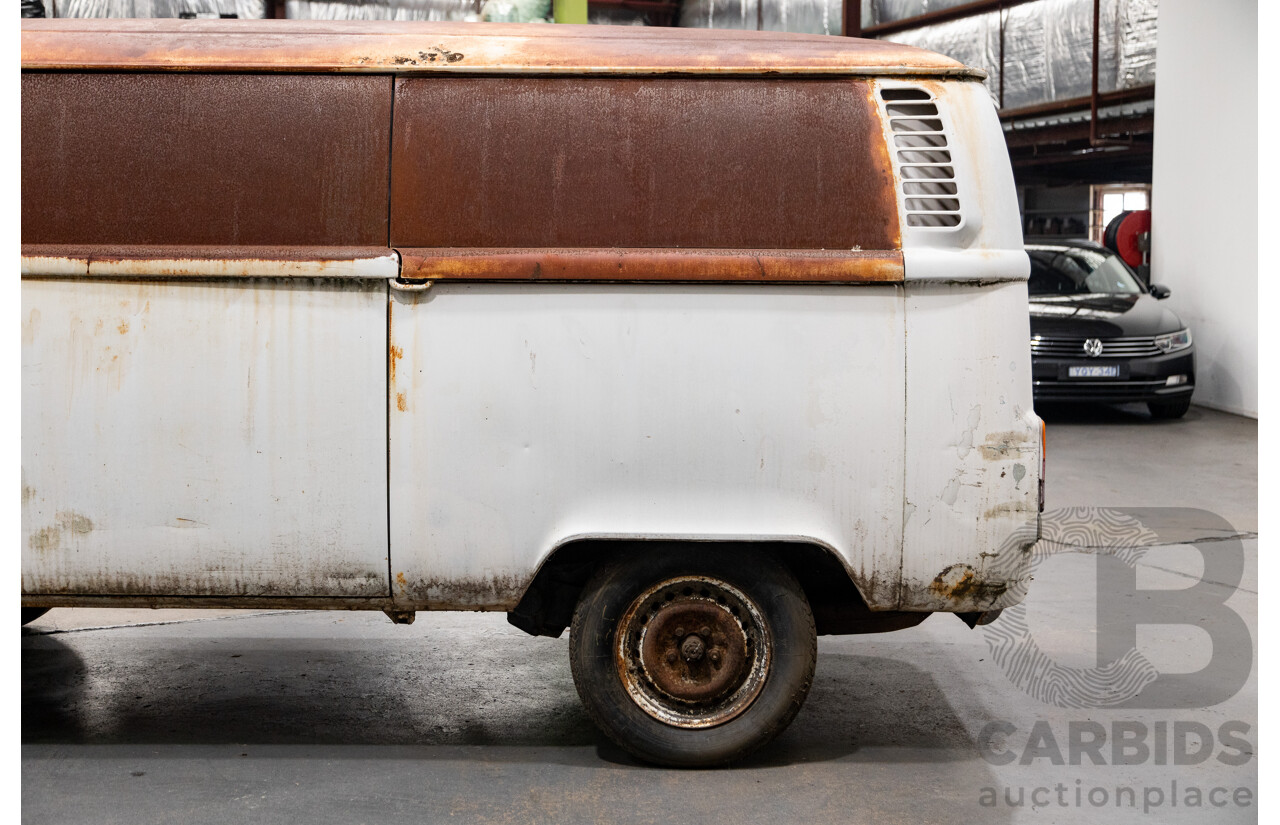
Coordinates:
<point>55,260</point>
<point>158,602</point>
<point>636,265</point>
<point>190,159</point>
<point>430,47</point>
<point>629,162</point>
<point>694,651</point>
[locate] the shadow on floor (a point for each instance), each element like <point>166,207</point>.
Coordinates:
<point>102,688</point>
<point>1089,413</point>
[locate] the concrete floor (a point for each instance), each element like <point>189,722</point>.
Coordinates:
<point>242,716</point>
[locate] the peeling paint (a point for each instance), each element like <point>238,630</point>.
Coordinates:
<point>965,442</point>
<point>1004,445</point>
<point>952,490</point>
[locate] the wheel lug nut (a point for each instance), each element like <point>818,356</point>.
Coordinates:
<point>692,649</point>
<point>679,632</point>
<point>704,631</point>
<point>715,657</point>
<point>671,658</point>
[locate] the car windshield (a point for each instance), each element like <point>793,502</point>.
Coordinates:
<point>1079,271</point>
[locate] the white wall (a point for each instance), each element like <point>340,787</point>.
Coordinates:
<point>1205,190</point>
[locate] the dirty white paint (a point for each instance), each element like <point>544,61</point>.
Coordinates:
<point>524,416</point>
<point>973,445</point>
<point>200,438</point>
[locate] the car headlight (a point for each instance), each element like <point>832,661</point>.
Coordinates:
<point>1172,343</point>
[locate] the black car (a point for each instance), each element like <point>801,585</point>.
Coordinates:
<point>1097,334</point>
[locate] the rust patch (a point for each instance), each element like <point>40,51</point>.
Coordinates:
<point>371,45</point>
<point>960,583</point>
<point>221,586</point>
<point>654,265</point>
<point>882,157</point>
<point>396,354</point>
<point>401,404</point>
<point>499,592</point>
<point>43,599</point>
<point>123,328</point>
<point>197,159</point>
<point>28,493</point>
<point>432,54</point>
<point>658,162</point>
<point>113,252</point>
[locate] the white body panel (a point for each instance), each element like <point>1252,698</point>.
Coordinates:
<point>527,416</point>
<point>973,446</point>
<point>204,439</point>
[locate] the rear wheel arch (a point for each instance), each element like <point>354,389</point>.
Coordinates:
<point>547,605</point>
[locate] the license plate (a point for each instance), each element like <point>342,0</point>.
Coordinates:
<point>1112,371</point>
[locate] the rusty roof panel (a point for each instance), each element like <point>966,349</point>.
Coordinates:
<point>738,163</point>
<point>430,47</point>
<point>269,160</point>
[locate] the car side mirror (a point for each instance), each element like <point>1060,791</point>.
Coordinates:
<point>1160,291</point>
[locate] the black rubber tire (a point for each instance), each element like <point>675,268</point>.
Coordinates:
<point>30,614</point>
<point>1173,408</point>
<point>781,604</point>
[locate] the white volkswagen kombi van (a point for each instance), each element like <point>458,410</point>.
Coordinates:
<point>697,343</point>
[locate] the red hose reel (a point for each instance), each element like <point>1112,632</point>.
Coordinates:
<point>1128,236</point>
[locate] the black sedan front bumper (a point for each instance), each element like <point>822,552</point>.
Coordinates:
<point>1140,379</point>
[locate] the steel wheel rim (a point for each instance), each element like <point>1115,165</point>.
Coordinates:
<point>674,674</point>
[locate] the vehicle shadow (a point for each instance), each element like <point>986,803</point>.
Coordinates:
<point>265,692</point>
<point>498,721</point>
<point>1098,413</point>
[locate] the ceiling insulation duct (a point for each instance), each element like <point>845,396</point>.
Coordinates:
<point>1048,45</point>
<point>242,9</point>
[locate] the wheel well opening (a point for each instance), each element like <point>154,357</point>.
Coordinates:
<point>546,609</point>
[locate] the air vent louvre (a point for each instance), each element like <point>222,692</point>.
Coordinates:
<point>904,94</point>
<point>923,158</point>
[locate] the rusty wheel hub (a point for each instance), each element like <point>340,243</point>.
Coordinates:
<point>693,651</point>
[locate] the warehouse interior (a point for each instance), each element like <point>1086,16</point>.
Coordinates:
<point>1108,108</point>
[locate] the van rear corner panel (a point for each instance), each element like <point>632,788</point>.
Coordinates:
<point>972,449</point>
